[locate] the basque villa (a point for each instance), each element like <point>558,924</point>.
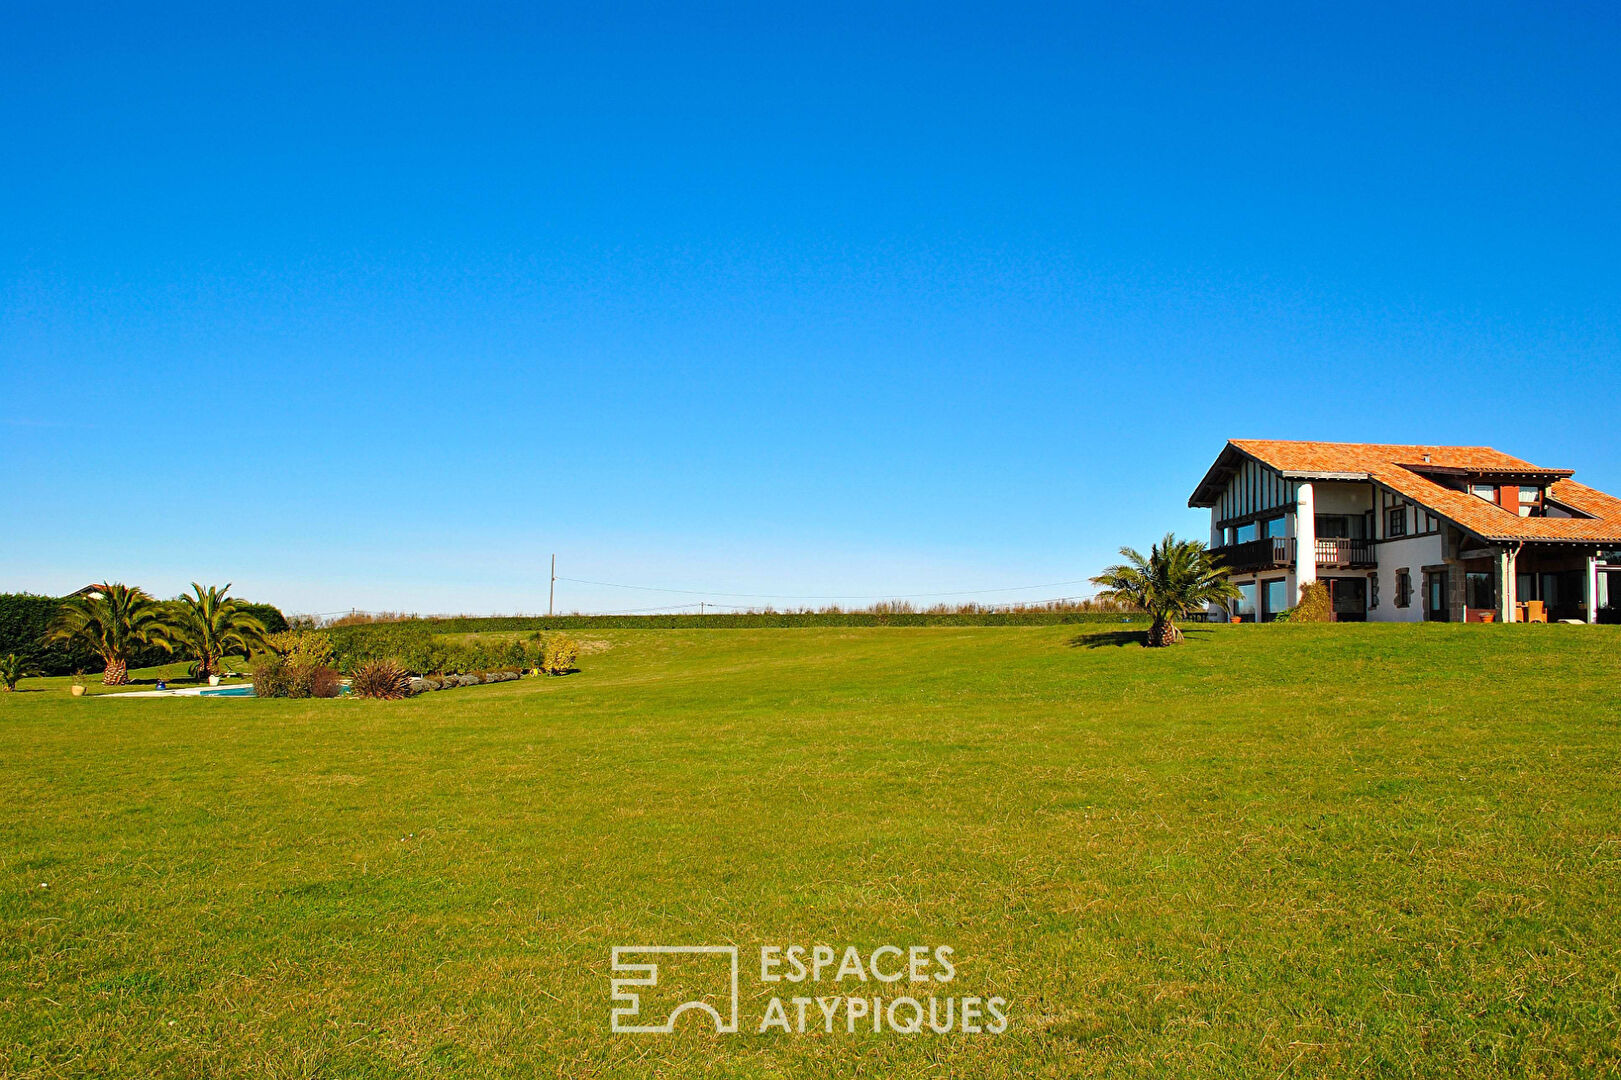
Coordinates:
<point>1407,533</point>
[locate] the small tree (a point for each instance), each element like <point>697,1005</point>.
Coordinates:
<point>113,620</point>
<point>13,668</point>
<point>1176,579</point>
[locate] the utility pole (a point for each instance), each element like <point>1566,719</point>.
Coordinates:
<point>551,594</point>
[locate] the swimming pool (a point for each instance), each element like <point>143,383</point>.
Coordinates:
<point>245,690</point>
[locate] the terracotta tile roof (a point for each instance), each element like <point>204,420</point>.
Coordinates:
<point>1396,467</point>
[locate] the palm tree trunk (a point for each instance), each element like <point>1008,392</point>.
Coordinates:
<point>116,673</point>
<point>1163,632</point>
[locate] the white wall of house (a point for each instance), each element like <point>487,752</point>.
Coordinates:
<point>1414,554</point>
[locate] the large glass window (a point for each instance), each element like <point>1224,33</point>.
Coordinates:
<point>1333,527</point>
<point>1480,589</point>
<point>1274,527</point>
<point>1274,598</point>
<point>1244,533</point>
<point>1244,606</point>
<point>1338,526</point>
<point>1404,587</point>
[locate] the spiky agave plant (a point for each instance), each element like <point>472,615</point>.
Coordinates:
<point>210,625</point>
<point>1177,578</point>
<point>380,679</point>
<point>113,620</point>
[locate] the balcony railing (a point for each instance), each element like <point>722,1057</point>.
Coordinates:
<point>1278,552</point>
<point>1345,553</point>
<point>1267,553</point>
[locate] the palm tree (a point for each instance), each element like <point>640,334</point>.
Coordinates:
<point>211,624</point>
<point>113,620</point>
<point>13,668</point>
<point>1177,578</point>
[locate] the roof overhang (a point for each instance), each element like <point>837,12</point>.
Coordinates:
<point>1228,462</point>
<point>1319,474</point>
<point>1536,477</point>
<point>1232,458</point>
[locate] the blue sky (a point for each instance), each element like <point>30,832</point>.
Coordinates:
<point>379,311</point>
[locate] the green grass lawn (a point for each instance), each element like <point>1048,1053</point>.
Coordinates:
<point>1289,850</point>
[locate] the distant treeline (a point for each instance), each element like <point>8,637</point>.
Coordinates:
<point>763,620</point>
<point>25,619</point>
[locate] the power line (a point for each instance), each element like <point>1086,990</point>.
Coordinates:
<point>838,596</point>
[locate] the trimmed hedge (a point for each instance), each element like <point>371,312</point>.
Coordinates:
<point>752,621</point>
<point>275,622</point>
<point>24,621</point>
<point>414,647</point>
<point>26,618</point>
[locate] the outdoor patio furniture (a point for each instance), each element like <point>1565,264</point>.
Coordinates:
<point>1533,611</point>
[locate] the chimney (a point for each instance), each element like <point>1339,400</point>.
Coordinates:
<point>1426,459</point>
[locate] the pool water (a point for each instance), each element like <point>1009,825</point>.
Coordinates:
<point>245,690</point>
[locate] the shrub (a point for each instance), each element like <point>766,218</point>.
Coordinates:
<point>558,655</point>
<point>1315,604</point>
<point>280,677</point>
<point>310,647</point>
<point>271,678</point>
<point>319,681</point>
<point>380,679</point>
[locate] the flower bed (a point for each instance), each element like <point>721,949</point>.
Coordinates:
<point>424,683</point>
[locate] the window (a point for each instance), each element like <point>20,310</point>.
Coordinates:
<point>1333,527</point>
<point>1243,534</point>
<point>1530,501</point>
<point>1564,591</point>
<point>1274,598</point>
<point>1404,588</point>
<point>1484,491</point>
<point>1273,527</point>
<point>1396,521</point>
<point>1431,523</point>
<point>1244,606</point>
<point>1480,589</point>
<point>1435,597</point>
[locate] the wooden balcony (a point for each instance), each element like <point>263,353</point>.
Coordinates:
<point>1345,553</point>
<point>1267,553</point>
<point>1278,553</point>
